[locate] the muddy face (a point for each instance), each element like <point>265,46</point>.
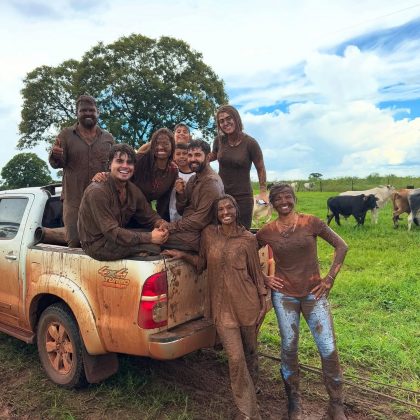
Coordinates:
<point>87,115</point>
<point>226,123</point>
<point>284,202</point>
<point>182,134</point>
<point>181,158</point>
<point>197,159</point>
<point>121,167</point>
<point>226,212</point>
<point>163,147</point>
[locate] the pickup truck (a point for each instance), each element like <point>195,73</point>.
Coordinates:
<point>82,312</point>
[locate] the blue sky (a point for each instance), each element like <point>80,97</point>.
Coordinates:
<point>329,87</point>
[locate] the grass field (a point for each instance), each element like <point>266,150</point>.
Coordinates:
<point>376,310</point>
<point>375,300</point>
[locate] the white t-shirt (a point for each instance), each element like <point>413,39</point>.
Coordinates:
<point>173,214</point>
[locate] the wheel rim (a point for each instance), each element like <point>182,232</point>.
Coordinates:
<point>59,348</point>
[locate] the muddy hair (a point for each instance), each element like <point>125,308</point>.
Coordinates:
<point>146,164</point>
<point>233,112</point>
<point>182,146</point>
<point>86,98</point>
<point>182,125</point>
<point>123,149</point>
<point>199,144</point>
<point>278,188</point>
<point>215,209</point>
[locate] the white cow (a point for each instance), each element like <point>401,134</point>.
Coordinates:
<point>295,186</point>
<point>309,186</point>
<point>383,194</point>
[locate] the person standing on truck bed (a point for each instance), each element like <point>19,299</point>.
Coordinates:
<point>237,296</point>
<point>82,151</point>
<point>195,199</point>
<point>107,208</point>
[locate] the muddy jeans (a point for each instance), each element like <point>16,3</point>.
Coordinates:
<point>318,317</point>
<point>70,216</point>
<point>240,345</point>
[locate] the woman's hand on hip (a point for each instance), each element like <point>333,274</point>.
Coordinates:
<point>323,287</point>
<point>274,283</point>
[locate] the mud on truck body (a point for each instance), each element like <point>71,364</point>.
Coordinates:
<point>81,312</point>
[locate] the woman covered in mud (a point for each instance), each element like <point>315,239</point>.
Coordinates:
<point>237,297</point>
<point>297,287</point>
<point>155,173</point>
<point>236,151</point>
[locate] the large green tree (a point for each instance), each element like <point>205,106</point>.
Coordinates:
<point>25,170</point>
<point>140,84</point>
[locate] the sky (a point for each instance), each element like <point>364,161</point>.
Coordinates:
<point>328,87</point>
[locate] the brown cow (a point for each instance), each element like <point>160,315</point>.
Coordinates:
<point>400,204</point>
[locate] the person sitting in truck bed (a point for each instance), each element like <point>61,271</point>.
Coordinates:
<point>107,208</point>
<point>194,199</point>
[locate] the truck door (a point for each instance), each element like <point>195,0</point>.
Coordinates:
<point>12,211</point>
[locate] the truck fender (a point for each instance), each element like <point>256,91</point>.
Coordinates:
<point>73,296</point>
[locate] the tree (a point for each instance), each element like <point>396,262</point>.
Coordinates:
<point>315,175</point>
<point>140,84</point>
<point>25,170</point>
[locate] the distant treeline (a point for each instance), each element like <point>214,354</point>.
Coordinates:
<point>353,183</point>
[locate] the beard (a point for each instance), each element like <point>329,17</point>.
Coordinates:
<point>197,167</point>
<point>88,122</point>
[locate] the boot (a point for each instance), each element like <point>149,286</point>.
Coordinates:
<point>294,404</point>
<point>335,407</point>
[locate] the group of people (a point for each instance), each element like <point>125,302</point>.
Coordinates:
<point>204,218</point>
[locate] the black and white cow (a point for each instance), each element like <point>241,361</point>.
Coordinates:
<point>346,205</point>
<point>414,201</point>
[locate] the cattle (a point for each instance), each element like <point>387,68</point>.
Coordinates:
<point>414,202</point>
<point>295,186</point>
<point>400,204</point>
<point>355,206</point>
<point>383,194</point>
<point>309,186</point>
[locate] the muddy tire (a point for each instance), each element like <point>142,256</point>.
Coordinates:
<point>60,346</point>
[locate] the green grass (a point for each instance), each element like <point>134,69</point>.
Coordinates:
<point>375,300</point>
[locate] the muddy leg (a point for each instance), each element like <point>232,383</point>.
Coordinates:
<point>249,340</point>
<point>288,315</point>
<point>319,319</point>
<point>240,379</point>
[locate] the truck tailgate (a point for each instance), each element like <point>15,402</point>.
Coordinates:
<point>187,292</point>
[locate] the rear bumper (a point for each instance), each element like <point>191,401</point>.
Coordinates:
<point>182,340</point>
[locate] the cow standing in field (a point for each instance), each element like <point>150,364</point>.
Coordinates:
<point>295,186</point>
<point>400,204</point>
<point>383,194</point>
<point>414,202</point>
<point>309,186</point>
<point>356,206</point>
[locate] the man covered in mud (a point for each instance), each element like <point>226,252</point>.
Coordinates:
<point>82,151</point>
<point>108,206</point>
<point>194,199</point>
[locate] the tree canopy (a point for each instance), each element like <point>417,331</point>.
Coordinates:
<point>140,85</point>
<point>25,170</point>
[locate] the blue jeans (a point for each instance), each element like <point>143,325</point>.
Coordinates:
<point>318,317</point>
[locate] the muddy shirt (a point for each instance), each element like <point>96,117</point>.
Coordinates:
<point>234,276</point>
<point>158,187</point>
<point>295,252</point>
<point>235,164</point>
<point>80,161</point>
<point>103,217</point>
<point>173,214</point>
<point>196,206</point>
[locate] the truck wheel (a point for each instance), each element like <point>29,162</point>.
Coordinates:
<point>60,346</point>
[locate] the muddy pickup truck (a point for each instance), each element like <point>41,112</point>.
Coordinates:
<point>82,312</point>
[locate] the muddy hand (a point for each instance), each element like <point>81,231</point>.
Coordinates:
<point>100,177</point>
<point>159,236</point>
<point>57,151</point>
<point>180,186</point>
<point>274,283</point>
<point>173,253</point>
<point>323,288</point>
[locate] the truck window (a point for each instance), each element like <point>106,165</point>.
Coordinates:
<point>53,213</point>
<point>11,213</point>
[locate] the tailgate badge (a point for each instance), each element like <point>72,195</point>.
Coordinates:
<point>114,278</point>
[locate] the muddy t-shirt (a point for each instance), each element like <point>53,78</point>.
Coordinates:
<point>234,276</point>
<point>295,252</point>
<point>81,160</point>
<point>103,217</point>
<point>235,164</point>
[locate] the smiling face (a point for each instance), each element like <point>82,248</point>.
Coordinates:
<point>226,212</point>
<point>197,159</point>
<point>121,167</point>
<point>163,147</point>
<point>181,157</point>
<point>284,202</point>
<point>87,114</point>
<point>182,134</point>
<point>226,123</point>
